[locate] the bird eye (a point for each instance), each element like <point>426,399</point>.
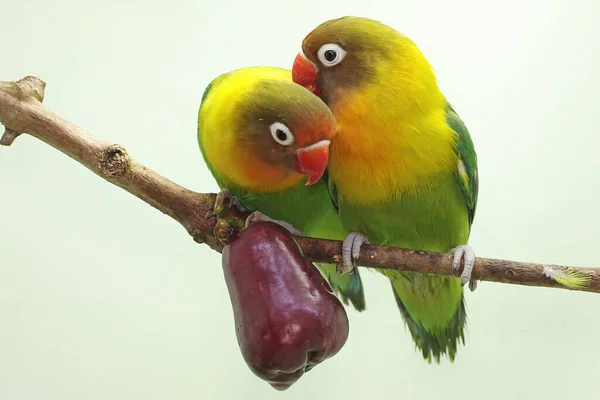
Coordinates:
<point>331,54</point>
<point>281,134</point>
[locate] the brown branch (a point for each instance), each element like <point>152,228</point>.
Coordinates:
<point>22,111</point>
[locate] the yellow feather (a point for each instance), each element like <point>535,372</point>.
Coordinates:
<point>568,277</point>
<point>393,133</point>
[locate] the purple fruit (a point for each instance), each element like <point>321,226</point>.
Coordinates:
<point>286,317</point>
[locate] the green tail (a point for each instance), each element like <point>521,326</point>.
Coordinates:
<point>433,309</point>
<point>348,287</point>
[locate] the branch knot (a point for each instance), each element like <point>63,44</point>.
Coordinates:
<point>26,88</point>
<point>114,162</point>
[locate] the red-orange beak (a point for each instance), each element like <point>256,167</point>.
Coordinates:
<point>305,72</point>
<point>312,161</point>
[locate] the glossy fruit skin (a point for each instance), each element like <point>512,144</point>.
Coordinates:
<point>287,319</point>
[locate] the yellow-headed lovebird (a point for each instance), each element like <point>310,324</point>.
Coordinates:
<point>266,141</point>
<point>402,168</point>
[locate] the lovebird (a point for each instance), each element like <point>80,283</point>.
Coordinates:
<point>266,142</point>
<point>402,168</point>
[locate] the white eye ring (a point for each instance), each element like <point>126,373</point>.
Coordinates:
<point>281,134</point>
<point>327,50</point>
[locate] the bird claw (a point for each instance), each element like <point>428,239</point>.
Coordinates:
<point>351,251</point>
<point>257,216</point>
<point>466,252</point>
<point>225,201</point>
<point>472,285</point>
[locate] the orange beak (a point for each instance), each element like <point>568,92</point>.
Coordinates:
<point>305,72</point>
<point>312,161</point>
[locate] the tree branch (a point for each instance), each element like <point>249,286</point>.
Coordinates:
<point>22,111</point>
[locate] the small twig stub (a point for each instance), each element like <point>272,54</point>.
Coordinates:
<point>8,137</point>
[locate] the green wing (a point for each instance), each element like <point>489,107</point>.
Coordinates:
<point>332,190</point>
<point>467,175</point>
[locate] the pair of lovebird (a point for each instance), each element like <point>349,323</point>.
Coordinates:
<point>358,143</point>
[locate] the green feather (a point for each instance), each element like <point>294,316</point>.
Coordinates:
<point>445,341</point>
<point>469,179</point>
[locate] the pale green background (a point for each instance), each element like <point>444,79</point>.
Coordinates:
<point>102,297</point>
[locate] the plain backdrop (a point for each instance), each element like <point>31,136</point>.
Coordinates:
<point>103,297</point>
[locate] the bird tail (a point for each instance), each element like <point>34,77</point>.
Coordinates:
<point>348,287</point>
<point>433,309</point>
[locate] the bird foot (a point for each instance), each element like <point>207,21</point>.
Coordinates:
<point>225,201</point>
<point>350,251</point>
<point>257,216</point>
<point>468,254</point>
